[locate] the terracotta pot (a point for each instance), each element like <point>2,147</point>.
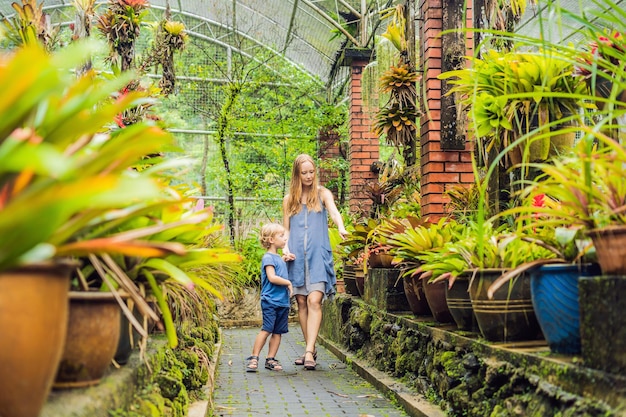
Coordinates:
<point>460,304</point>
<point>509,316</point>
<point>33,319</point>
<point>436,298</point>
<point>92,337</point>
<point>610,245</point>
<point>414,292</point>
<point>380,260</point>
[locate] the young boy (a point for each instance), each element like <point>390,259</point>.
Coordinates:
<point>276,291</point>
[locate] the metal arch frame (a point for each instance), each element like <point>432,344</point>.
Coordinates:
<point>215,40</point>
<point>366,12</point>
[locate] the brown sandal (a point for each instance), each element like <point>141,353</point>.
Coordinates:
<point>300,359</point>
<point>310,365</point>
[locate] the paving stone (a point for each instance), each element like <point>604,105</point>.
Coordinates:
<point>333,389</point>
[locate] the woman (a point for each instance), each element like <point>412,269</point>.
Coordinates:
<point>310,261</point>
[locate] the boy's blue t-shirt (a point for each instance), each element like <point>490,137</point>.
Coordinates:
<point>277,295</point>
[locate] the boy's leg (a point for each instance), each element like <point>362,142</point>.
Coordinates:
<point>274,345</point>
<point>259,342</point>
<point>281,326</point>
<point>252,361</point>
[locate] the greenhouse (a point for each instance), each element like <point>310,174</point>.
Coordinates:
<point>298,207</point>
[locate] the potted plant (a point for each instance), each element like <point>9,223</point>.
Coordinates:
<point>519,102</point>
<point>408,248</point>
<point>395,231</point>
<point>588,187</point>
<point>589,190</point>
<point>486,252</point>
<point>61,167</point>
<point>356,242</point>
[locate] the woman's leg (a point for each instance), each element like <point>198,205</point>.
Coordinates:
<point>314,320</point>
<point>303,314</point>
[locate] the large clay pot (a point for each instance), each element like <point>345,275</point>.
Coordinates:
<point>554,293</point>
<point>380,260</point>
<point>460,304</point>
<point>33,319</point>
<point>610,245</point>
<point>436,298</point>
<point>92,338</point>
<point>414,292</point>
<point>509,316</point>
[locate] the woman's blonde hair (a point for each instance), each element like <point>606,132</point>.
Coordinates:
<point>295,188</point>
<point>268,231</point>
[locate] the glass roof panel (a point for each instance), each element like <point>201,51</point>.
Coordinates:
<point>302,30</point>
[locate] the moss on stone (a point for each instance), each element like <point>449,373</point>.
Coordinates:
<point>174,375</point>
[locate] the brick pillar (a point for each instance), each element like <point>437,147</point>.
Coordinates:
<point>328,150</point>
<point>363,150</point>
<point>441,166</point>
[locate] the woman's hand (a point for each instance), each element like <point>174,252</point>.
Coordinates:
<point>289,256</point>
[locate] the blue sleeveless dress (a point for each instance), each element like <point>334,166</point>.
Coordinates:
<point>309,241</point>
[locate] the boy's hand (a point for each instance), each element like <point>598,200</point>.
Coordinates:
<point>290,288</point>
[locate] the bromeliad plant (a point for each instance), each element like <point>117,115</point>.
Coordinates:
<point>511,95</point>
<point>74,185</point>
<point>121,25</point>
<point>480,246</point>
<point>30,25</point>
<point>60,164</point>
<point>411,238</point>
<point>602,66</point>
<point>585,189</point>
<point>206,265</point>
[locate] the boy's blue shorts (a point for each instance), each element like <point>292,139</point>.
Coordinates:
<point>275,319</point>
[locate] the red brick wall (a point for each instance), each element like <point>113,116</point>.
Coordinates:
<point>439,169</point>
<point>364,149</point>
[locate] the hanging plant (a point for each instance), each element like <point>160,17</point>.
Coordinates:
<point>396,28</point>
<point>170,39</point>
<point>397,119</point>
<point>120,25</point>
<point>400,83</point>
<point>397,123</point>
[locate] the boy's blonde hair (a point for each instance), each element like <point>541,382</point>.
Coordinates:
<point>268,231</point>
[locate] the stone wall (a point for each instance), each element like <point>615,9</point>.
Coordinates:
<point>467,376</point>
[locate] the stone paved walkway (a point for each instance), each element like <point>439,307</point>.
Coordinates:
<point>332,390</point>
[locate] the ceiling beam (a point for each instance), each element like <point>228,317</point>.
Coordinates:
<point>352,9</point>
<point>334,23</point>
<point>290,28</point>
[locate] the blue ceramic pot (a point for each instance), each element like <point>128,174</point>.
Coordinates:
<point>554,294</point>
